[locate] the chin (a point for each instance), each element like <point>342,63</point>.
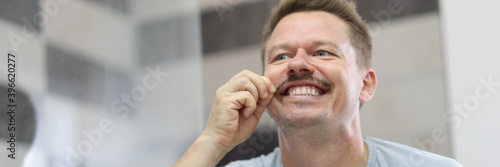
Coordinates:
<point>302,118</point>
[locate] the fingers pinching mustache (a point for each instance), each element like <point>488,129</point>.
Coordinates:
<point>260,87</point>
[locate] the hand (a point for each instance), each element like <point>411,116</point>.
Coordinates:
<point>237,108</point>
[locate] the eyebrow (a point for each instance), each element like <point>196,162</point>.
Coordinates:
<point>314,43</point>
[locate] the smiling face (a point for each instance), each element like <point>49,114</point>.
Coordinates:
<point>310,58</point>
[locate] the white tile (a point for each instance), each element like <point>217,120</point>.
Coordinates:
<point>408,45</point>
<point>95,31</point>
<point>407,112</point>
<point>30,55</point>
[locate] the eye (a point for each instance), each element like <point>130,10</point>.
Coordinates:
<point>322,53</point>
<point>281,57</point>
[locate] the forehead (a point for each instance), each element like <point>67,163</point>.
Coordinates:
<point>303,28</point>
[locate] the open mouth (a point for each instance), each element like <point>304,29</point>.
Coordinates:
<point>303,88</point>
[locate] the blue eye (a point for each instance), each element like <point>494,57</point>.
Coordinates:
<point>281,57</point>
<point>322,53</point>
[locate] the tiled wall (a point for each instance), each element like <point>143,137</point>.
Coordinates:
<point>94,61</point>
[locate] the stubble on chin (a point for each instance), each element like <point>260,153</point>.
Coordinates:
<point>295,122</point>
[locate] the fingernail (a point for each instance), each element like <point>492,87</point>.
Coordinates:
<point>273,89</point>
<point>265,94</point>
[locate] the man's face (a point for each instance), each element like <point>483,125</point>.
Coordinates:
<point>310,59</point>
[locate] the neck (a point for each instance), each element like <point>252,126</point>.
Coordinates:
<point>319,146</point>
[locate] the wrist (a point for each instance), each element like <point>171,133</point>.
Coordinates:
<point>214,144</point>
<point>204,152</point>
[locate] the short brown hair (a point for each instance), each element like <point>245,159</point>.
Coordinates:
<point>344,9</point>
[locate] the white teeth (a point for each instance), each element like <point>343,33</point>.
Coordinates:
<point>304,91</point>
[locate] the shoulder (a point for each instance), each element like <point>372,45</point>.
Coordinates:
<point>272,159</point>
<point>386,153</point>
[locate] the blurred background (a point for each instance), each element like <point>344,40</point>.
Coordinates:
<point>131,82</point>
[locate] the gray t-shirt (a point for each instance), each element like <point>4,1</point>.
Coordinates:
<point>381,153</point>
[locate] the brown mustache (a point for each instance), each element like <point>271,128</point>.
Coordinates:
<point>305,77</point>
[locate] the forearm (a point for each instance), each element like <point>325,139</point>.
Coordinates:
<point>203,153</point>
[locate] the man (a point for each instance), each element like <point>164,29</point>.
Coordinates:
<point>316,55</point>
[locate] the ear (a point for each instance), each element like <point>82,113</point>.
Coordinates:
<point>369,86</point>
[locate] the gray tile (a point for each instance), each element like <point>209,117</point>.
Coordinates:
<point>371,9</point>
<point>241,26</point>
<point>25,116</point>
<point>117,83</point>
<point>121,6</point>
<point>168,41</point>
<point>18,10</point>
<point>73,75</point>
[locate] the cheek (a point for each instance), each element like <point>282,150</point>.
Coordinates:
<point>275,74</point>
<point>339,77</point>
<point>346,84</point>
<point>333,73</point>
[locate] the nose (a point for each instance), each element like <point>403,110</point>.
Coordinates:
<point>300,64</point>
